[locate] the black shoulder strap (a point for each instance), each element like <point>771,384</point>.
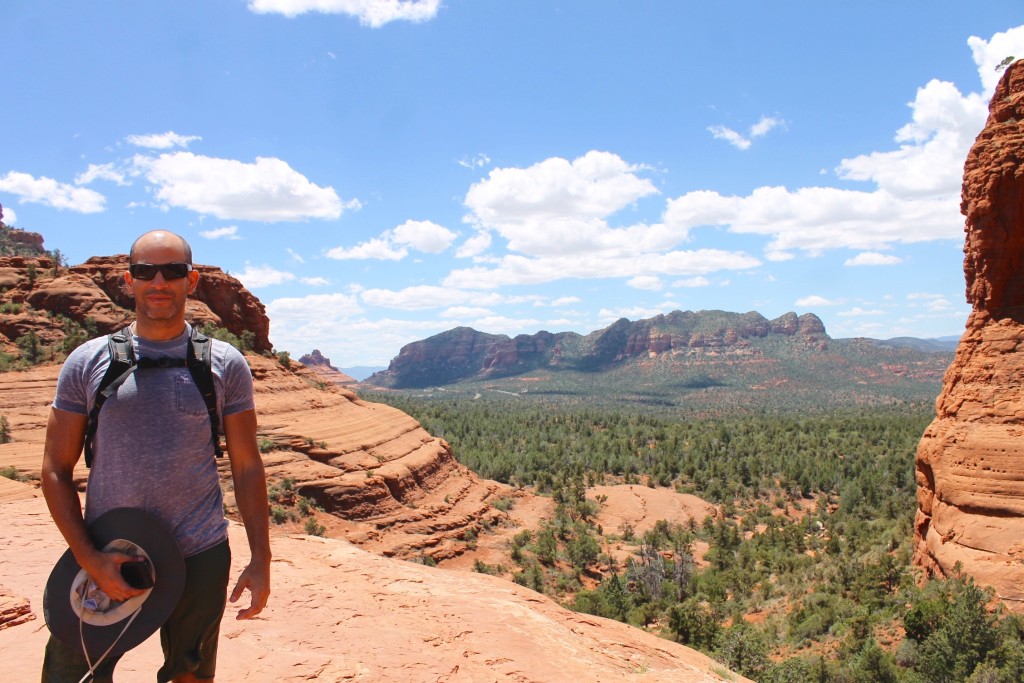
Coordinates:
<point>199,359</point>
<point>122,364</point>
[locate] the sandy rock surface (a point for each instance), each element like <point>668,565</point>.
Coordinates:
<point>339,613</point>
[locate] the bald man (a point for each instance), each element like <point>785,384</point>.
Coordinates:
<point>153,450</point>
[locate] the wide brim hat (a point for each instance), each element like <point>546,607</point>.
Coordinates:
<point>110,628</point>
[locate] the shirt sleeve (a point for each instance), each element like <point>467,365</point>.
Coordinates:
<point>236,381</point>
<point>73,381</point>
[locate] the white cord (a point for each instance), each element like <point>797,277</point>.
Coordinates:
<point>81,636</point>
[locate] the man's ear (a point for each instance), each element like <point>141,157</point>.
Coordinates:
<point>193,280</point>
<point>129,283</point>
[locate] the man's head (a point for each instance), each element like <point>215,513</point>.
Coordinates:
<point>160,277</point>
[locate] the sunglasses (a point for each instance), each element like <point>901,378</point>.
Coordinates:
<point>170,271</point>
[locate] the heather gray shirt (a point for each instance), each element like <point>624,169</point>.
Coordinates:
<point>153,447</point>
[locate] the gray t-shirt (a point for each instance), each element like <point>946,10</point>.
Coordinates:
<point>153,447</point>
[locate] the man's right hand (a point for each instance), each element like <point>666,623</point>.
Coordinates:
<point>105,570</point>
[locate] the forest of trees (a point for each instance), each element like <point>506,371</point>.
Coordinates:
<point>807,574</point>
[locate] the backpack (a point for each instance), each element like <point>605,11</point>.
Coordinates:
<point>122,364</point>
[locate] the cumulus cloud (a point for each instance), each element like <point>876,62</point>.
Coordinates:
<point>162,140</point>
<point>648,282</point>
<point>423,236</point>
<point>558,205</point>
<point>566,301</point>
<point>49,192</point>
<point>556,213</point>
<point>873,258</point>
<point>814,219</point>
<point>268,190</point>
<point>372,13</point>
<point>916,194</point>
<point>228,232</point>
<point>422,297</point>
<point>9,217</point>
<point>254,277</point>
<point>394,245</point>
<point>514,269</point>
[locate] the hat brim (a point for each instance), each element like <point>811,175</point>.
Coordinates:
<point>156,540</point>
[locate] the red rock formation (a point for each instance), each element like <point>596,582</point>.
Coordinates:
<point>970,462</point>
<point>94,294</point>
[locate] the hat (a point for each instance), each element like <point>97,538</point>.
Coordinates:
<point>85,618</point>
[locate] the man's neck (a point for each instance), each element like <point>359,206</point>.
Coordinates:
<point>158,330</point>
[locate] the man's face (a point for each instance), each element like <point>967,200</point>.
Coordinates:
<point>160,298</point>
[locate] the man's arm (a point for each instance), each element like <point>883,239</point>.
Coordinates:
<point>251,497</point>
<point>65,433</point>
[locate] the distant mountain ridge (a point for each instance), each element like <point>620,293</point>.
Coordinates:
<point>667,357</point>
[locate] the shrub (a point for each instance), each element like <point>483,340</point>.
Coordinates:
<point>314,528</point>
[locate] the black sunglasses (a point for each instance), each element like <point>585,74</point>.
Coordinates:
<point>170,271</point>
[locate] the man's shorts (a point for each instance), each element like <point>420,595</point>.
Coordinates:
<point>189,638</point>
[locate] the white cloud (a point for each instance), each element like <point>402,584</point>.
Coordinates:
<point>873,258</point>
<point>268,190</point>
<point>295,256</point>
<point>814,301</point>
<point>475,245</point>
<point>857,312</point>
<point>765,125</point>
<point>466,312</point>
<point>422,297</point>
<point>9,217</point>
<point>566,301</point>
<point>372,13</point>
<point>556,205</point>
<point>378,248</point>
<point>987,54</point>
<point>423,236</point>
<point>101,172</point>
<point>648,282</point>
<point>521,270</point>
<point>729,135</point>
<point>162,140</point>
<point>393,245</point>
<point>738,140</point>
<point>229,232</point>
<point>315,281</point>
<point>814,219</point>
<point>49,192</point>
<point>263,276</point>
<point>475,161</point>
<point>696,281</point>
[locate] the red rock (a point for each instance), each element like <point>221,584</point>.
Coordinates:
<point>970,462</point>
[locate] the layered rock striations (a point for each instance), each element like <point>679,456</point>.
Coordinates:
<point>33,290</point>
<point>970,462</point>
<point>464,353</point>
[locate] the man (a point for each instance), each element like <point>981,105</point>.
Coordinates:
<point>153,450</point>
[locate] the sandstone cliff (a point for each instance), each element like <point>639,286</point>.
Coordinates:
<point>92,296</point>
<point>970,462</point>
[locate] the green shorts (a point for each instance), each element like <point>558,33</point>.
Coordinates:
<point>189,638</point>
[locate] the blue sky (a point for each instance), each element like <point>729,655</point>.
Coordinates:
<point>378,171</point>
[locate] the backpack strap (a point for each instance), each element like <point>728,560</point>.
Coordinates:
<point>122,364</point>
<point>199,360</point>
